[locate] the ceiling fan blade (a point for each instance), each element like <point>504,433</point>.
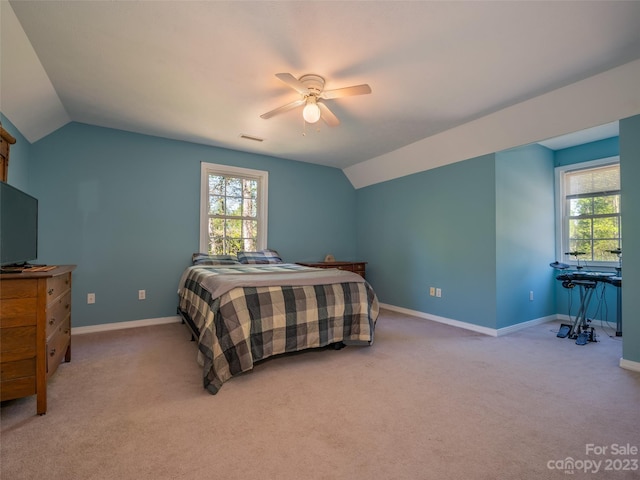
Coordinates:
<point>363,89</point>
<point>327,115</point>
<point>283,108</point>
<point>293,82</point>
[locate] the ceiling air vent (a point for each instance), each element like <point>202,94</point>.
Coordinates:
<point>249,137</point>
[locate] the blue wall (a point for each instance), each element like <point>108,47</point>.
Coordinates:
<point>435,228</point>
<point>609,147</point>
<point>481,229</point>
<point>630,178</point>
<point>124,208</point>
<point>525,234</point>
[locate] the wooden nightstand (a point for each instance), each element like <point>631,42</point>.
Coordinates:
<point>356,267</point>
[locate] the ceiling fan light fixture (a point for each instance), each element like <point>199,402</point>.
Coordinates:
<point>311,112</point>
<point>312,92</point>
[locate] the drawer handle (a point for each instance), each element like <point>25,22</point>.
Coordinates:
<point>52,321</point>
<point>50,292</point>
<point>53,352</point>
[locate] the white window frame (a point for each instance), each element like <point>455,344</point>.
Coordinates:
<point>261,176</point>
<point>561,223</point>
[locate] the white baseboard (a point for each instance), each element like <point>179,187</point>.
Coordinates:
<point>630,365</point>
<point>122,325</point>
<point>470,326</point>
<point>528,323</point>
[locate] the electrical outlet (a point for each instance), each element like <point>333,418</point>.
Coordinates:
<point>91,298</point>
<point>438,292</point>
<point>531,295</point>
<point>432,291</point>
<point>142,294</point>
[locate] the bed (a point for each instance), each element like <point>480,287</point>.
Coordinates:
<point>246,308</point>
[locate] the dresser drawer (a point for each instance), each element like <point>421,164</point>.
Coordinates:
<point>57,346</point>
<point>17,312</point>
<point>17,388</point>
<point>17,343</point>
<point>57,286</point>
<point>360,269</point>
<point>18,369</point>
<point>57,312</point>
<point>19,288</point>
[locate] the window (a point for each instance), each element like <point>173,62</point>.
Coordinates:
<point>233,209</point>
<point>589,217</point>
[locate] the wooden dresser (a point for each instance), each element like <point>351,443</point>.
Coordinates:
<point>35,331</point>
<point>357,267</point>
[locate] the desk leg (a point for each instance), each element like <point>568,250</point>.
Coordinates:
<point>580,324</point>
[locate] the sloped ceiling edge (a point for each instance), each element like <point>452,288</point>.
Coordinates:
<point>33,105</point>
<point>601,99</point>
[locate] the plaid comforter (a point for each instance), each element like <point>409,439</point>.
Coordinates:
<point>250,323</point>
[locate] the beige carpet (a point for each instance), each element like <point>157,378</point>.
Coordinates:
<point>427,401</point>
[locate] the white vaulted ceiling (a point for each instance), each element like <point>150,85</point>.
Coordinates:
<point>204,71</point>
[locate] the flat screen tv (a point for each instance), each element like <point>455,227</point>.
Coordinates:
<point>18,226</point>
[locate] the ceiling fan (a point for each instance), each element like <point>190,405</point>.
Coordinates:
<point>311,87</point>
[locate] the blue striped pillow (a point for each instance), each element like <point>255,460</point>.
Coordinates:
<point>262,256</point>
<point>206,259</point>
